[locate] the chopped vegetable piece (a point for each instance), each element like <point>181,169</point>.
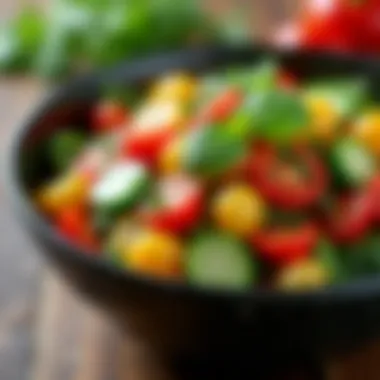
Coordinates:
<point>109,115</point>
<point>284,245</point>
<point>303,275</point>
<point>71,189</point>
<point>155,253</point>
<point>288,185</point>
<point>238,209</point>
<point>374,191</point>
<point>329,256</point>
<point>75,224</point>
<point>279,116</point>
<point>64,147</point>
<point>170,160</point>
<point>352,165</point>
<point>219,261</point>
<point>178,87</point>
<point>211,150</point>
<point>119,240</point>
<point>179,205</point>
<point>153,128</point>
<point>346,96</point>
<point>366,129</point>
<point>222,107</point>
<point>351,217</point>
<point>120,188</point>
<point>325,117</point>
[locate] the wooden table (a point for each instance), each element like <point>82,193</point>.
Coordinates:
<point>46,332</point>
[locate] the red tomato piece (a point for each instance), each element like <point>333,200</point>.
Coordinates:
<point>374,190</point>
<point>109,115</point>
<point>223,106</point>
<point>74,224</point>
<point>284,185</point>
<point>180,207</point>
<point>364,21</point>
<point>327,25</point>
<point>146,144</point>
<point>284,245</point>
<point>352,217</point>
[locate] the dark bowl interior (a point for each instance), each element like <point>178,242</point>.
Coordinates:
<point>174,319</point>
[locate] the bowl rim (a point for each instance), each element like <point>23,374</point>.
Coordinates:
<point>25,209</point>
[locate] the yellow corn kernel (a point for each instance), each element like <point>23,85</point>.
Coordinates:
<point>367,130</point>
<point>160,114</point>
<point>68,190</point>
<point>170,160</point>
<point>303,275</point>
<point>325,117</point>
<point>238,209</point>
<point>178,87</point>
<point>155,253</point>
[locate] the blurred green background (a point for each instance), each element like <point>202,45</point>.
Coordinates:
<point>74,35</point>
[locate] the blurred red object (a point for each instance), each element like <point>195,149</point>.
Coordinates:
<point>338,25</point>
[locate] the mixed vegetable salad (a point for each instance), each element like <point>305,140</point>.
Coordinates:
<point>249,176</point>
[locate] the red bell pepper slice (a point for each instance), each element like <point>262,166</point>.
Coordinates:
<point>180,205</point>
<point>223,106</point>
<point>284,245</point>
<point>146,145</point>
<point>284,184</point>
<point>74,224</point>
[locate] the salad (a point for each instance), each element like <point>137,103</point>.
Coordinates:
<point>241,178</point>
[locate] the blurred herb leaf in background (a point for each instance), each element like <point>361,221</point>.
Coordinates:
<point>94,33</point>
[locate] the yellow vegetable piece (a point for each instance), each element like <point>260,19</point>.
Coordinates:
<point>238,209</point>
<point>155,253</point>
<point>367,130</point>
<point>303,275</point>
<point>324,115</point>
<point>160,114</point>
<point>122,235</point>
<point>170,160</point>
<point>69,190</point>
<point>178,87</point>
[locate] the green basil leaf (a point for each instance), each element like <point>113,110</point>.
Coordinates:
<point>279,116</point>
<point>211,150</point>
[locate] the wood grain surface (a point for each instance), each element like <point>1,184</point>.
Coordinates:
<point>46,332</point>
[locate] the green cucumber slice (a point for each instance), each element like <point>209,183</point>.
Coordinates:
<point>219,261</point>
<point>120,188</point>
<point>352,165</point>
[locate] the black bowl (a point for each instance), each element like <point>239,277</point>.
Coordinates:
<point>176,320</point>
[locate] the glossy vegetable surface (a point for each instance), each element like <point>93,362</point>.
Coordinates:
<point>245,177</point>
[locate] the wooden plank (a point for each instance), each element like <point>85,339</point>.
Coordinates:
<point>71,338</point>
